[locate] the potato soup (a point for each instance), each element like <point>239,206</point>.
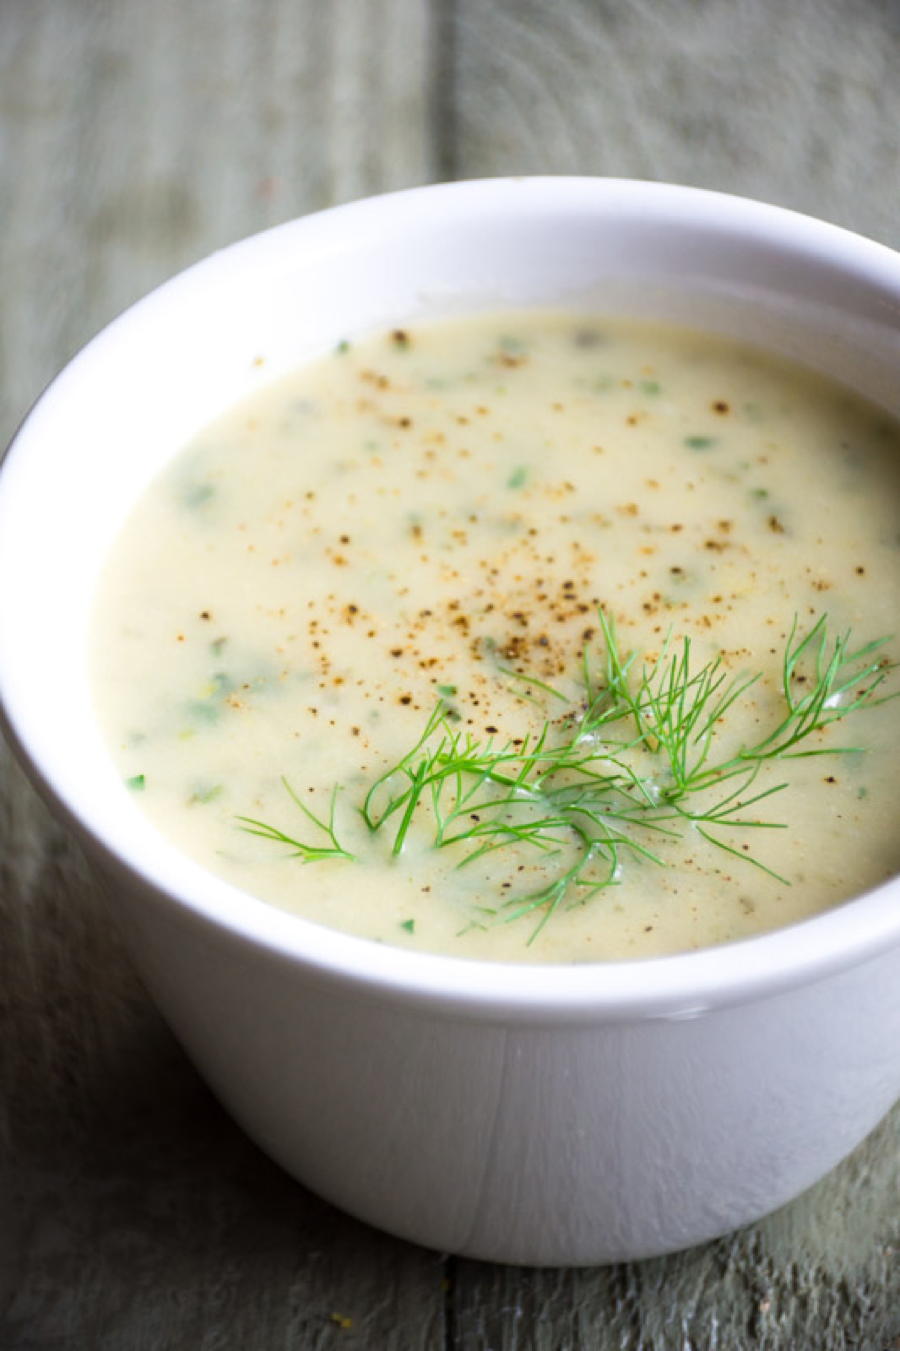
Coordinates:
<point>530,637</point>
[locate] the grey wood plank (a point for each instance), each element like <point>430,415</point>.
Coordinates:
<point>135,138</point>
<point>793,103</point>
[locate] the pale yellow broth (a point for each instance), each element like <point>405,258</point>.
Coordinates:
<point>431,510</point>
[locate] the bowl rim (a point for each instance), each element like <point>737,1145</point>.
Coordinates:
<point>682,985</point>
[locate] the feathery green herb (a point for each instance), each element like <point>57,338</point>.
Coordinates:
<point>309,853</point>
<point>636,758</point>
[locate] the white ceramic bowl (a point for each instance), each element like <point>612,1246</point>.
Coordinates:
<point>537,1115</point>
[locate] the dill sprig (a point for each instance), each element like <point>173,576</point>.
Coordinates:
<point>309,853</point>
<point>634,759</point>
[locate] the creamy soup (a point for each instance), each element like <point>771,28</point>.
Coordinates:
<point>508,637</point>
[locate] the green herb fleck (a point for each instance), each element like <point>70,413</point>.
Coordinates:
<point>198,494</point>
<point>409,925</point>
<point>202,711</point>
<point>518,477</point>
<point>699,442</point>
<point>137,783</point>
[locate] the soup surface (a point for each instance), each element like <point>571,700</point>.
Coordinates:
<point>364,649</point>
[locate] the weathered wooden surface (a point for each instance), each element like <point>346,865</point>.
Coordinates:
<point>134,138</point>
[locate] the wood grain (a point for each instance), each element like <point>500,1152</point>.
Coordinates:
<point>134,138</point>
<point>793,103</point>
